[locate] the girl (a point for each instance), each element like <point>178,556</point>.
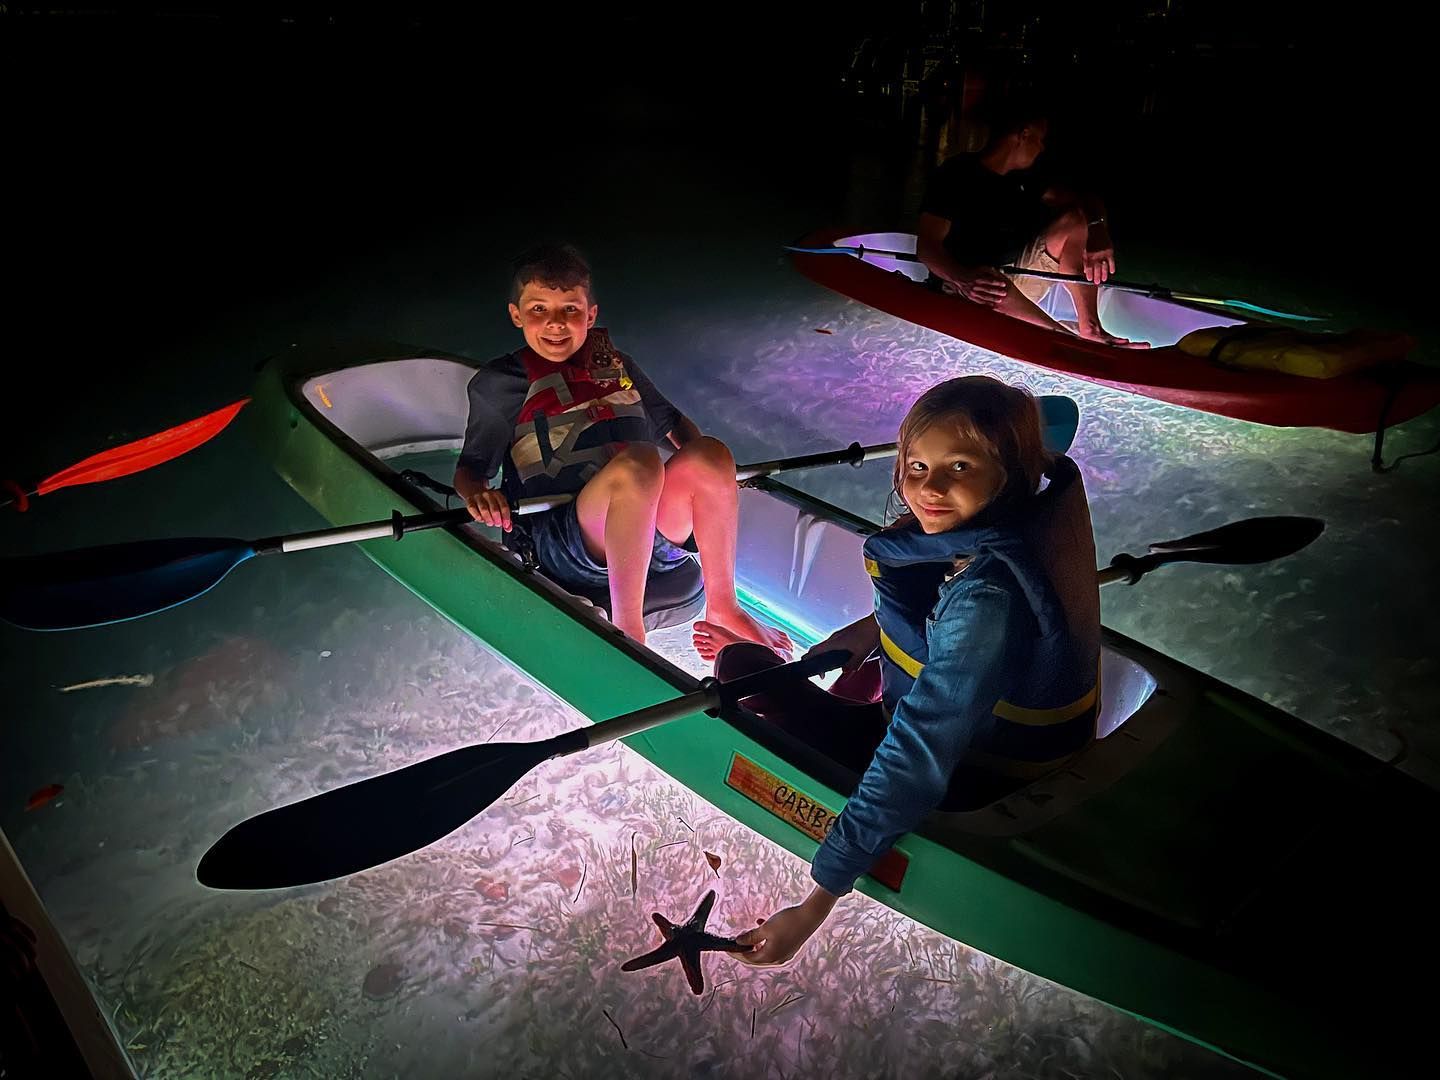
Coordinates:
<point>987,630</point>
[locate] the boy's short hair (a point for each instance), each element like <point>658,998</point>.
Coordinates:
<point>556,266</point>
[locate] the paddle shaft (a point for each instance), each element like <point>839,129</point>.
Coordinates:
<point>1109,575</point>
<point>1058,419</point>
<point>854,454</point>
<point>712,697</point>
<point>1131,568</point>
<point>1158,292</point>
<point>394,527</point>
<point>397,525</point>
<point>706,699</point>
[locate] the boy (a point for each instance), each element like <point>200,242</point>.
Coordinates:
<point>577,417</point>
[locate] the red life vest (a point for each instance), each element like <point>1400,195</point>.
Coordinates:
<point>577,414</point>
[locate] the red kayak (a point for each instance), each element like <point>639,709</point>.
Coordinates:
<point>1360,402</point>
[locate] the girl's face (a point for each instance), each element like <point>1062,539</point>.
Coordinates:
<point>948,478</point>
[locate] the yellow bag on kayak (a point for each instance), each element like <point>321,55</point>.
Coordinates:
<point>1295,352</point>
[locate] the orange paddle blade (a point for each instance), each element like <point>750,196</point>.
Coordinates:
<point>144,453</point>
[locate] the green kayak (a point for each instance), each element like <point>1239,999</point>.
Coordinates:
<point>1212,864</point>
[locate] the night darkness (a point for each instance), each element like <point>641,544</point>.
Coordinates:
<point>164,168</point>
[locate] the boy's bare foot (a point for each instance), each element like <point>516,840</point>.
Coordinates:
<point>714,632</point>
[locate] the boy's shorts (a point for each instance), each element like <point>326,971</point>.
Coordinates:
<point>560,547</point>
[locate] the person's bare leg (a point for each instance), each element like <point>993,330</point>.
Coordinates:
<point>616,511</point>
<point>1065,241</point>
<point>700,496</point>
<point>1016,305</point>
<point>1019,306</point>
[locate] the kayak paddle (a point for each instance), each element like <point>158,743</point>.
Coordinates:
<point>1158,292</point>
<point>1253,540</point>
<point>373,821</point>
<point>71,590</point>
<point>95,586</point>
<point>133,457</point>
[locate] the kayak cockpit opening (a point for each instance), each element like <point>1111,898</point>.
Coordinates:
<point>411,414</point>
<point>1125,687</point>
<point>1128,315</point>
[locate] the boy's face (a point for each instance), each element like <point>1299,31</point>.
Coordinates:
<point>554,321</point>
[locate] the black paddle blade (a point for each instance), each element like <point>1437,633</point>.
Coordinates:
<point>69,590</point>
<point>1254,540</point>
<point>368,822</point>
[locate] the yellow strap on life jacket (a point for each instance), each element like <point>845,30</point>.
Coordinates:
<point>1017,714</point>
<point>907,663</point>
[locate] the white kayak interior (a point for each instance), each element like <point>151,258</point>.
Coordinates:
<point>1125,314</point>
<point>796,567</point>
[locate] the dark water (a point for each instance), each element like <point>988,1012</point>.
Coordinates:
<point>185,202</point>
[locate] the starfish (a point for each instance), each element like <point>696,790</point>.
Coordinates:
<point>687,942</point>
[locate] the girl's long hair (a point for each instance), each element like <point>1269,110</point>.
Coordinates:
<point>1003,420</point>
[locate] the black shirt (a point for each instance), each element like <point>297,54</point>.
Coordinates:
<point>992,217</point>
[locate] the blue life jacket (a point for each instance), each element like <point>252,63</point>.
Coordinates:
<point>1048,711</point>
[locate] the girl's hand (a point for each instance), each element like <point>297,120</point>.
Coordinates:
<point>859,639</point>
<point>777,939</point>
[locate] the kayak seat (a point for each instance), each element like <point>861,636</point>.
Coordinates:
<point>672,596</point>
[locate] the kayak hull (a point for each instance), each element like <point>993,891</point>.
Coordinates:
<point>1359,403</point>
<point>1194,869</point>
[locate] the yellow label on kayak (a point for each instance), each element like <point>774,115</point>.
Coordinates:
<point>803,812</point>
